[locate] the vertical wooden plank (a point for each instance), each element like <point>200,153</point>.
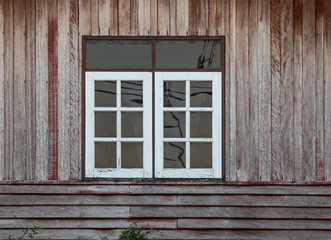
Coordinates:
<point>253,94</point>
<point>41,91</point>
<point>95,29</point>
<point>212,17</point>
<point>320,105</point>
<point>309,103</point>
<point>327,79</point>
<point>275,42</point>
<point>144,17</point>
<point>124,15</point>
<point>163,24</point>
<point>104,17</point>
<point>231,160</point>
<point>52,89</point>
<point>173,16</point>
<point>63,91</point>
<point>242,75</point>
<point>223,17</point>
<point>287,152</point>
<point>154,17</point>
<point>298,88</point>
<point>134,18</point>
<point>2,97</point>
<point>75,151</point>
<point>182,17</point>
<point>192,17</point>
<point>264,90</point>
<point>114,17</point>
<point>202,17</point>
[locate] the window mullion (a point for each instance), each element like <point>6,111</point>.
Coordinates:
<point>187,128</point>
<point>118,114</point>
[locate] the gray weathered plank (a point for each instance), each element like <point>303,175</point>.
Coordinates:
<point>144,17</point>
<point>182,17</point>
<point>125,16</point>
<point>172,31</point>
<point>104,17</point>
<point>2,96</point>
<point>163,23</point>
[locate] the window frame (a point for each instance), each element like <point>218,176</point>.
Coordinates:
<point>153,39</point>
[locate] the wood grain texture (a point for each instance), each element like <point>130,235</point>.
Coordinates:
<point>134,17</point>
<point>182,17</point>
<point>124,26</point>
<point>114,17</point>
<point>202,17</point>
<point>2,95</point>
<point>154,5</point>
<point>95,30</point>
<point>144,17</point>
<point>172,17</point>
<point>104,17</point>
<point>212,17</point>
<point>223,17</point>
<point>163,16</point>
<point>192,17</point>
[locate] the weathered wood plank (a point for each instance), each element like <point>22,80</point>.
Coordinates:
<point>192,17</point>
<point>154,17</point>
<point>172,17</point>
<point>298,88</point>
<point>125,16</point>
<point>41,90</point>
<point>309,92</point>
<point>134,17</point>
<point>104,17</point>
<point>52,7</point>
<point>202,17</point>
<point>182,17</point>
<point>212,17</point>
<point>275,18</point>
<point>2,95</point>
<point>95,29</point>
<point>287,130</point>
<point>223,18</point>
<point>163,23</point>
<point>242,81</point>
<point>144,17</point>
<point>63,91</point>
<point>30,71</point>
<point>114,17</point>
<point>75,151</point>
<point>320,104</point>
<point>264,77</point>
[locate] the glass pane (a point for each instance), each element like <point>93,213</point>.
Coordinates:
<point>105,93</point>
<point>132,124</point>
<point>174,124</point>
<point>174,93</point>
<point>174,155</point>
<point>120,54</point>
<point>105,154</point>
<point>105,124</point>
<point>132,155</point>
<point>201,155</point>
<point>132,93</point>
<point>201,124</point>
<point>201,94</point>
<point>192,54</point>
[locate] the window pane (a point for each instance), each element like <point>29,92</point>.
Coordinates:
<point>105,93</point>
<point>105,154</point>
<point>193,54</point>
<point>201,124</point>
<point>174,124</point>
<point>174,94</point>
<point>201,155</point>
<point>132,155</point>
<point>201,94</point>
<point>105,124</point>
<point>174,155</point>
<point>132,93</point>
<point>132,124</point>
<point>120,54</point>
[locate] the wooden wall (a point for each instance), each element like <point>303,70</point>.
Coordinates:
<point>278,81</point>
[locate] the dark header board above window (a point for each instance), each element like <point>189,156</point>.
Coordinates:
<point>197,54</point>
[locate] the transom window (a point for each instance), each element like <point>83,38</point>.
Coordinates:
<point>153,108</point>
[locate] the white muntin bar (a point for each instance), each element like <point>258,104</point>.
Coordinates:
<point>118,123</point>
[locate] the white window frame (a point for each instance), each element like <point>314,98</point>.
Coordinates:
<point>216,109</point>
<point>90,170</point>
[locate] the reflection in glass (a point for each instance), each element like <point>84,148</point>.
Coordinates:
<point>174,155</point>
<point>132,93</point>
<point>120,54</point>
<point>188,54</point>
<point>201,155</point>
<point>174,124</point>
<point>174,93</point>
<point>132,124</point>
<point>132,155</point>
<point>201,94</point>
<point>105,93</point>
<point>105,154</point>
<point>201,124</point>
<point>105,124</point>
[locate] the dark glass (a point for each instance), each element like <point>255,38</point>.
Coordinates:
<point>201,124</point>
<point>201,94</point>
<point>188,54</point>
<point>105,94</point>
<point>201,155</point>
<point>118,54</point>
<point>105,154</point>
<point>132,93</point>
<point>105,124</point>
<point>174,94</point>
<point>132,155</point>
<point>174,155</point>
<point>174,124</point>
<point>132,124</point>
